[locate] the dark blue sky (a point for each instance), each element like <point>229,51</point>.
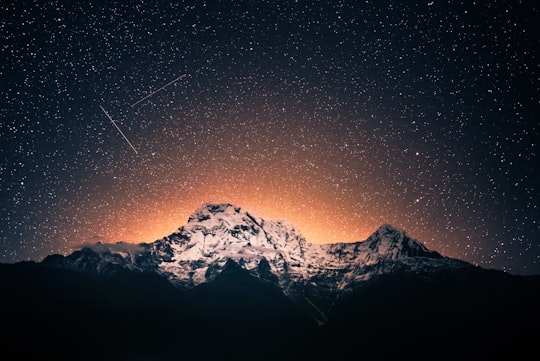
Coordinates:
<point>339,116</point>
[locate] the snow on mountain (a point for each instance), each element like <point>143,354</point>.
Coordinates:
<point>103,258</point>
<point>218,232</point>
<point>387,250</point>
<point>272,251</point>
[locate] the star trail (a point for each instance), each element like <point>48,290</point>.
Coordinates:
<point>337,116</point>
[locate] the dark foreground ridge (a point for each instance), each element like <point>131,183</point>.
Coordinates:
<point>62,314</point>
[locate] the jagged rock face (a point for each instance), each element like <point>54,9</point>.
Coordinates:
<point>217,233</point>
<point>273,251</point>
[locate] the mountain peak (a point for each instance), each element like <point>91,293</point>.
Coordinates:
<point>207,210</point>
<point>395,243</point>
<point>387,228</point>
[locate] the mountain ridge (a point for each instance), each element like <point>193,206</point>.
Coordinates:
<point>217,232</point>
<point>271,250</point>
<point>230,285</point>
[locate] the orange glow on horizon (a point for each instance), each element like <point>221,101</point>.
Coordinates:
<point>316,225</point>
<point>301,181</point>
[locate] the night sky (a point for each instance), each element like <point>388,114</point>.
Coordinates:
<point>337,117</point>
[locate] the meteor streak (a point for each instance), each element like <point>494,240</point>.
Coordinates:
<point>154,92</point>
<point>123,135</point>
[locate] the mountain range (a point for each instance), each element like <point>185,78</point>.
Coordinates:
<point>231,284</point>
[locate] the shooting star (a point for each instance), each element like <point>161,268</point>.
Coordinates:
<point>123,135</point>
<point>160,89</point>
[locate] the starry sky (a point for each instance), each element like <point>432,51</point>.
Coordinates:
<point>338,116</point>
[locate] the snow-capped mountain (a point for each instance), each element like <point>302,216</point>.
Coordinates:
<point>230,283</point>
<point>272,251</point>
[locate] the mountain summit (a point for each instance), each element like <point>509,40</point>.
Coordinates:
<point>273,251</point>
